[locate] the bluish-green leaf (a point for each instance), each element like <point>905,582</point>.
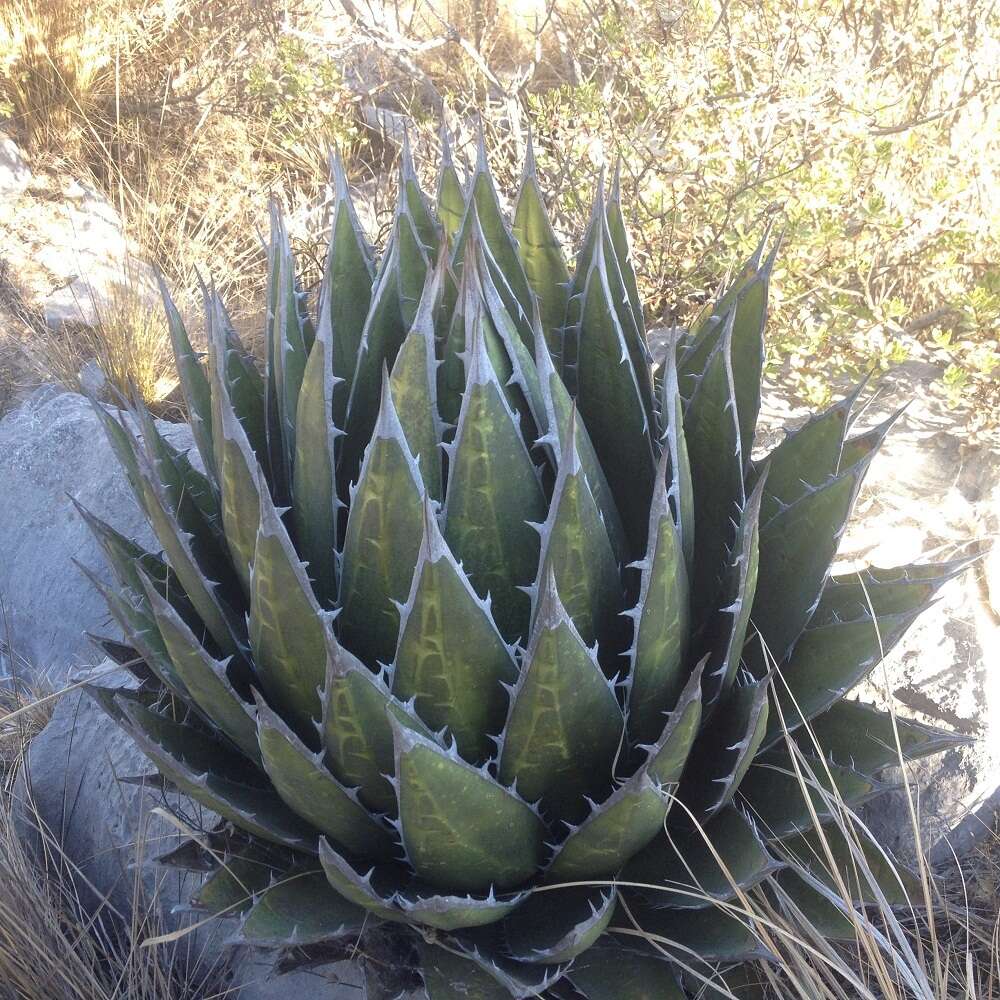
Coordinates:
<point>382,538</point>
<point>565,724</point>
<point>461,829</point>
<point>451,659</point>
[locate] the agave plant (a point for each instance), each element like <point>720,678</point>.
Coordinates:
<point>488,640</point>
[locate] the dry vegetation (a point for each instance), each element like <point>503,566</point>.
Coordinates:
<point>869,132</point>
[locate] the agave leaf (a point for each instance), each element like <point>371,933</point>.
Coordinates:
<point>711,431</point>
<point>482,213</point>
<point>424,224</point>
<point>287,626</point>
<point>230,361</point>
<point>609,972</point>
<point>695,868</point>
<point>453,340</point>
<point>205,679</point>
<point>447,975</point>
<point>558,410</point>
<point>749,316</point>
<point>123,445</point>
<point>451,913</point>
<point>486,947</point>
<point>680,485</point>
<point>711,934</point>
<point>211,774</point>
<point>288,340</point>
<point>493,491</point>
<point>773,793</point>
<point>623,253</point>
<point>863,447</point>
<point>555,926</point>
<point>450,192</point>
<point>300,909</point>
<point>574,306</point>
<point>541,255</point>
<point>314,476</point>
<point>126,558</point>
<point>611,402</point>
<point>728,626</point>
<point>512,360</point>
<point>708,325</point>
<point>382,540</point>
<point>619,827</point>
<point>450,656</point>
<point>565,725</point>
<point>632,328</point>
<point>796,548</point>
<point>807,457</point>
<point>230,890</point>
<point>860,736</point>
<point>577,550</point>
<point>307,787</point>
<point>194,381</point>
<point>858,865</point>
<point>808,899</point>
<point>661,621</point>
<point>414,266</point>
<point>133,615</point>
<point>461,829</point>
<point>187,493</point>
<point>666,758</point>
<point>725,749</point>
<point>381,338</point>
<point>372,888</point>
<point>745,981</point>
<point>884,591</point>
<point>239,486</point>
<point>413,385</point>
<point>348,265</point>
<point>827,662</point>
<point>220,620</point>
<point>356,732</point>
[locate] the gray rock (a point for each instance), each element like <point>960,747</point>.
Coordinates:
<point>15,174</point>
<point>76,784</point>
<point>50,448</point>
<point>73,786</point>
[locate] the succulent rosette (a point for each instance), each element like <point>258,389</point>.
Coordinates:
<point>489,640</point>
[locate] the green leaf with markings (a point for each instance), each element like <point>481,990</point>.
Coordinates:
<point>493,491</point>
<point>541,255</point>
<point>287,626</point>
<point>459,827</point>
<point>611,403</point>
<point>565,725</point>
<point>381,541</point>
<point>661,621</point>
<point>577,551</point>
<point>442,621</point>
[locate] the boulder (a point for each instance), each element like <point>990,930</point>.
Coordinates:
<point>79,783</point>
<point>68,251</point>
<point>51,448</point>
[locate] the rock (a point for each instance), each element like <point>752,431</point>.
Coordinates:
<point>67,249</point>
<point>92,380</point>
<point>76,782</point>
<point>74,785</point>
<point>15,174</point>
<point>51,448</point>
